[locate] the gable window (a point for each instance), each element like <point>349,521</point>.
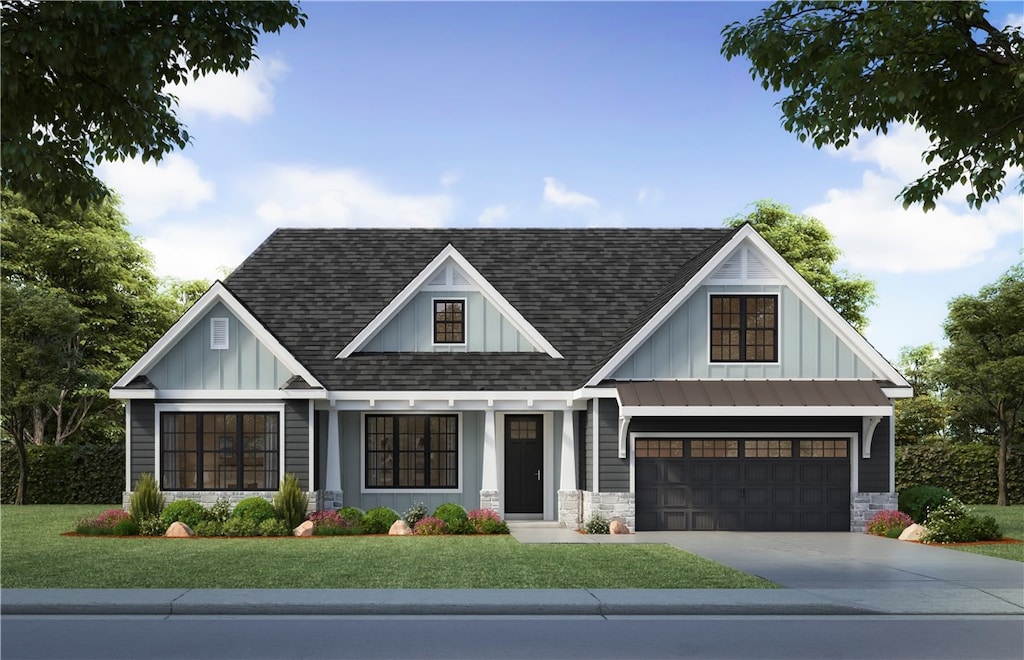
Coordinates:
<point>219,451</point>
<point>412,451</point>
<point>449,321</point>
<point>744,328</point>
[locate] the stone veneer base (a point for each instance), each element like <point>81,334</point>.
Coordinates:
<point>610,506</point>
<point>863,506</point>
<point>209,497</point>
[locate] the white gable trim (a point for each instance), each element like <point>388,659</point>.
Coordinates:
<point>476,279</point>
<point>804,291</point>
<point>217,293</point>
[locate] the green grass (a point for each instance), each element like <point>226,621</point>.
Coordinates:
<point>33,554</point>
<point>1011,521</point>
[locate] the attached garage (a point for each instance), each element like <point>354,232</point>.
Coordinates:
<point>750,484</point>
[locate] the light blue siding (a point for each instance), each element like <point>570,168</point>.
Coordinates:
<point>807,347</point>
<point>411,330</point>
<point>245,365</point>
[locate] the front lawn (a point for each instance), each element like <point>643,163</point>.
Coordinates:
<point>1011,521</point>
<point>33,554</point>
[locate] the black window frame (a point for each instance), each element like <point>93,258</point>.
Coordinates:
<point>382,455</point>
<point>230,449</point>
<point>446,321</point>
<point>744,329</point>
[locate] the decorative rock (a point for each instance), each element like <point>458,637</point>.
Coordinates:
<point>304,529</point>
<point>400,528</point>
<point>913,533</point>
<point>179,530</point>
<point>618,527</point>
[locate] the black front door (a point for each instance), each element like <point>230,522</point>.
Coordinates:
<point>524,464</point>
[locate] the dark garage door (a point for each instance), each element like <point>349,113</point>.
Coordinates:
<point>742,484</point>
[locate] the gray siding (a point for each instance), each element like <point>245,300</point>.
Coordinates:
<point>874,471</point>
<point>350,428</point>
<point>411,330</point>
<point>245,365</point>
<point>143,448</point>
<point>679,348</point>
<point>586,447</point>
<point>296,441</point>
<point>614,470</point>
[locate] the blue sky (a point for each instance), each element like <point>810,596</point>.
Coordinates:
<point>541,115</point>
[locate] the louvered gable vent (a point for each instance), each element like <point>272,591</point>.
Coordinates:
<point>219,334</point>
<point>743,266</point>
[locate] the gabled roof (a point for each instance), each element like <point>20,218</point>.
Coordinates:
<point>218,293</point>
<point>581,290</point>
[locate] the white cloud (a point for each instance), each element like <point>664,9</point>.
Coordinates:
<point>648,195</point>
<point>556,194</point>
<point>450,178</point>
<point>877,234</point>
<point>302,196</point>
<point>1014,20</point>
<point>150,190</point>
<point>189,252</point>
<point>493,215</point>
<point>245,96</point>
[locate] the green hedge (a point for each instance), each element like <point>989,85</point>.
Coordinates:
<point>968,471</point>
<point>65,474</point>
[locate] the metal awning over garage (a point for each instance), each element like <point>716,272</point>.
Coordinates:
<point>803,398</point>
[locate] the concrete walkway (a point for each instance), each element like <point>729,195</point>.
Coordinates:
<point>821,574</point>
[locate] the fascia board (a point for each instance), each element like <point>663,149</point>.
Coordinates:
<point>479,281</point>
<point>216,293</point>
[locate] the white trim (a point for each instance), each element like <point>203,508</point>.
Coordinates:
<point>216,293</point>
<point>128,445</point>
<point>311,416</point>
<point>548,460</point>
<point>595,459</point>
<point>778,328</point>
<point>753,411</point>
<point>490,477</point>
<point>867,433</point>
<point>851,450</point>
<point>332,457</point>
<point>396,491</point>
<point>491,294</point>
<point>567,471</point>
<point>220,333</point>
<point>898,392</point>
<point>218,395</point>
<point>226,408</point>
<point>857,344</point>
<point>433,321</point>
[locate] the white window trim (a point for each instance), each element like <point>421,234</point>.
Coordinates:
<point>433,322</point>
<point>778,327</point>
<point>160,408</point>
<point>220,324</point>
<point>395,491</point>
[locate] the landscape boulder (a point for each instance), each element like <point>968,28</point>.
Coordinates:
<point>400,528</point>
<point>913,533</point>
<point>304,529</point>
<point>179,530</point>
<point>618,527</point>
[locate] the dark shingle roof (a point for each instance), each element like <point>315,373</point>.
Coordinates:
<point>585,290</point>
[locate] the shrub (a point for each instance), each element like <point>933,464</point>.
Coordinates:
<point>953,522</point>
<point>255,508</point>
<point>969,471</point>
<point>189,512</point>
<point>415,513</point>
<point>351,515</point>
<point>152,526</point>
<point>220,511</point>
<point>453,515</point>
<point>242,525</point>
<point>918,501</point>
<point>429,526</point>
<point>127,527</point>
<point>65,474</point>
<point>147,501</point>
<point>487,521</point>
<point>273,527</point>
<point>886,523</point>
<point>209,528</point>
<point>290,502</point>
<point>379,520</point>
<point>331,523</point>
<point>597,525</point>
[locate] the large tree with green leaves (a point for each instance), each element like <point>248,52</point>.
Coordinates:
<point>85,82</point>
<point>853,67</point>
<point>807,245</point>
<point>924,416</point>
<point>983,367</point>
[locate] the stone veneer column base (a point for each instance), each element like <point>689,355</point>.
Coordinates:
<point>491,499</point>
<point>863,506</point>
<point>610,506</point>
<point>569,508</point>
<point>209,497</point>
<point>328,499</point>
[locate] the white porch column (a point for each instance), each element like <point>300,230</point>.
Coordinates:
<point>567,475</point>
<point>333,477</point>
<point>489,482</point>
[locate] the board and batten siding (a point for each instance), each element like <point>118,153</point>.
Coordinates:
<point>143,440</point>
<point>614,470</point>
<point>192,365</point>
<point>296,441</point>
<point>412,329</point>
<point>680,347</point>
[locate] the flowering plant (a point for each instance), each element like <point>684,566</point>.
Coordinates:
<point>429,526</point>
<point>888,523</point>
<point>487,521</point>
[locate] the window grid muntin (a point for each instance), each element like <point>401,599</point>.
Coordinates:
<point>714,448</point>
<point>744,328</point>
<point>449,321</point>
<point>658,448</point>
<point>767,448</point>
<point>219,451</point>
<point>823,448</point>
<point>412,451</point>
